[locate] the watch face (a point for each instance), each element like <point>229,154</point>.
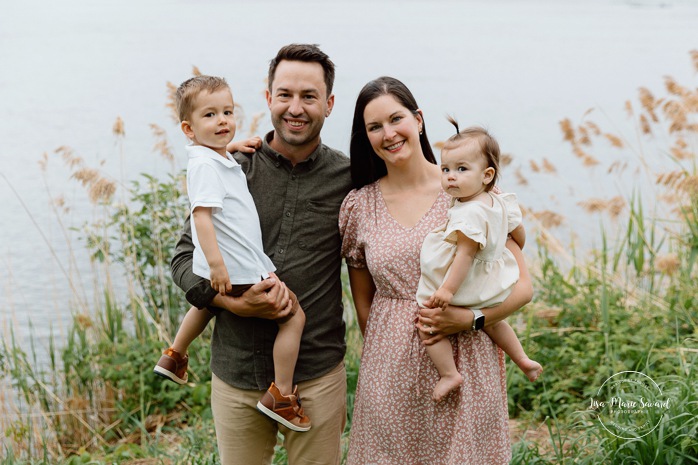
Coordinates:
<point>479,321</point>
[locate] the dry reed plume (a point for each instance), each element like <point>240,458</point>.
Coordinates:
<point>548,167</point>
<point>505,159</point>
<point>170,101</point>
<point>254,124</point>
<point>614,206</point>
<point>694,58</point>
<point>162,145</point>
<point>520,178</point>
<point>548,218</point>
<point>118,128</point>
<point>668,263</point>
<point>100,189</point>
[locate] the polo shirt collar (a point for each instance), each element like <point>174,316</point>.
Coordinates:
<point>276,156</point>
<point>199,151</point>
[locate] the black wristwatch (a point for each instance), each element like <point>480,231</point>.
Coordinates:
<point>478,319</point>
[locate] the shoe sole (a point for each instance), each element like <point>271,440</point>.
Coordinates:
<point>281,419</point>
<point>167,374</point>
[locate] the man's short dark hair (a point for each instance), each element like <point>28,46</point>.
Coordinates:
<point>309,53</point>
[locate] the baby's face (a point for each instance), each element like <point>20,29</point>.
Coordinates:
<point>212,121</point>
<point>464,171</point>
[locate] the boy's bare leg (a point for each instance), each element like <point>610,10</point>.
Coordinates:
<point>505,337</point>
<point>286,347</point>
<point>441,354</point>
<point>174,362</point>
<point>192,326</point>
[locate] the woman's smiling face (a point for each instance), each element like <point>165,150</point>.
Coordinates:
<point>392,129</point>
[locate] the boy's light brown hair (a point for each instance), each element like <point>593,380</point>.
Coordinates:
<point>190,89</point>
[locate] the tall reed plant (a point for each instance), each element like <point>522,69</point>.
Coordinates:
<point>630,305</point>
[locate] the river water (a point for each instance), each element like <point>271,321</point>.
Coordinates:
<point>68,69</point>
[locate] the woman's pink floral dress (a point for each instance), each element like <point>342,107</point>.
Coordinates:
<point>395,420</point>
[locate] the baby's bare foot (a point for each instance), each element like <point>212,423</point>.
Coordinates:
<point>445,385</point>
<point>531,368</point>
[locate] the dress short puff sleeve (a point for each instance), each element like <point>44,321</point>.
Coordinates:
<point>514,216</point>
<point>468,219</point>
<point>350,219</point>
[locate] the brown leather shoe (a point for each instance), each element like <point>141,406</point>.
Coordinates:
<point>173,366</point>
<point>286,410</point>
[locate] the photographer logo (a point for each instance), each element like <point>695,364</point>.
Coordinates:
<point>629,404</point>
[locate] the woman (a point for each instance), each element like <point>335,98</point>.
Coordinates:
<point>397,200</point>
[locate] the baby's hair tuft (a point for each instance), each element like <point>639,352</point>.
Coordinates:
<point>489,148</point>
<point>454,122</point>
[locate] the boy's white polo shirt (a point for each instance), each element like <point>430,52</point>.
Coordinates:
<point>219,183</point>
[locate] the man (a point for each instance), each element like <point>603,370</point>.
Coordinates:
<point>298,185</point>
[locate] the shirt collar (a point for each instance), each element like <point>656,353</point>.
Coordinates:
<point>277,157</point>
<point>199,151</point>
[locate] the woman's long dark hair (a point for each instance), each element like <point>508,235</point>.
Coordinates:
<point>366,166</point>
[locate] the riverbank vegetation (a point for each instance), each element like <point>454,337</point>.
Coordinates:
<point>628,304</point>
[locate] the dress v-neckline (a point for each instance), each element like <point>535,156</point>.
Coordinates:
<point>387,210</point>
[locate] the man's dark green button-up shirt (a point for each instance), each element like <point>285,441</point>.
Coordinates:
<point>298,210</point>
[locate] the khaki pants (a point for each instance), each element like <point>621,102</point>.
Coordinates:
<point>247,437</point>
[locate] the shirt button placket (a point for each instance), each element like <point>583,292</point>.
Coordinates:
<point>259,357</point>
<point>287,218</point>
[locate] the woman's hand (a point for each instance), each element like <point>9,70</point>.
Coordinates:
<point>436,323</point>
<point>362,290</point>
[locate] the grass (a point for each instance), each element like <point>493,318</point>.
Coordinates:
<point>630,304</point>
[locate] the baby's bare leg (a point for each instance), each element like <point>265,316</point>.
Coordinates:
<point>192,326</point>
<point>441,354</point>
<point>505,337</point>
<point>286,346</point>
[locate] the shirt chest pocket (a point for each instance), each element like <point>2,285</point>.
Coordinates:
<point>318,229</point>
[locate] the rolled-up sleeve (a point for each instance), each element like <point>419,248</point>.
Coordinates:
<point>198,291</point>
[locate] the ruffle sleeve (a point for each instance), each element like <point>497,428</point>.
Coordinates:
<point>350,219</point>
<point>469,221</point>
<point>514,216</point>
